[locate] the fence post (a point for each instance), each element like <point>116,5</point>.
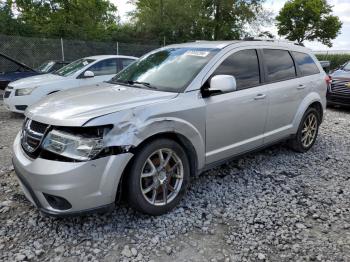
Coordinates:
<point>62,49</point>
<point>117,48</point>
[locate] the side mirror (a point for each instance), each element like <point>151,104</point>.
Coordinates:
<point>221,84</point>
<point>88,74</point>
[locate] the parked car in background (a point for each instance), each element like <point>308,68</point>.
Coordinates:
<point>339,90</point>
<point>51,66</point>
<point>172,114</point>
<point>12,70</point>
<point>85,71</point>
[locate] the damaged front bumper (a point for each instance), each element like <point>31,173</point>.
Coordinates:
<point>69,188</point>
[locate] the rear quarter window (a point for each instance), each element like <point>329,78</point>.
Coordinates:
<point>306,64</point>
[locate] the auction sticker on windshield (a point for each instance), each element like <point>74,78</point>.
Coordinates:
<point>197,53</point>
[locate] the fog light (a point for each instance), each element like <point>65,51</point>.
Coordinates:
<point>57,202</point>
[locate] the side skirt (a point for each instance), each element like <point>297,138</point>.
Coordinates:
<point>228,159</point>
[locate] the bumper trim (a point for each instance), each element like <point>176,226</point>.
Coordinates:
<point>101,209</point>
<point>336,99</point>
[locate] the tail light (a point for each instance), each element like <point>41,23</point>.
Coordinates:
<point>328,80</point>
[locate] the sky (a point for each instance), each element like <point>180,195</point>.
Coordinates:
<point>341,8</point>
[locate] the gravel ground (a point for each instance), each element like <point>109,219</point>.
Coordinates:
<point>275,205</point>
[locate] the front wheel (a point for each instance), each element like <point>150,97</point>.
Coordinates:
<point>158,177</point>
<point>307,132</point>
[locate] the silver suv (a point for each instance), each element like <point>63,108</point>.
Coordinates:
<point>169,116</point>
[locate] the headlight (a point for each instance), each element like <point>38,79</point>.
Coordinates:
<point>75,146</point>
<point>24,91</point>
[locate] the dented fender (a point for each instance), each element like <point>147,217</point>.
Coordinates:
<point>133,128</point>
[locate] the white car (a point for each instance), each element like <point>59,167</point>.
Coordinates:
<point>86,71</point>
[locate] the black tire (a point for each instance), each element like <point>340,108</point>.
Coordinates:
<point>135,185</point>
<point>297,142</point>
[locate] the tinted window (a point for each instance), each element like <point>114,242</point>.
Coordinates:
<point>279,64</point>
<point>244,66</point>
<point>346,67</point>
<point>125,62</point>
<point>104,67</point>
<point>306,64</point>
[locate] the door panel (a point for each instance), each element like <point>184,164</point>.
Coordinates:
<point>235,123</point>
<point>285,93</point>
<point>95,80</point>
<point>285,98</point>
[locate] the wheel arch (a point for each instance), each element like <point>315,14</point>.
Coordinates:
<point>184,142</point>
<point>312,100</point>
<point>318,106</point>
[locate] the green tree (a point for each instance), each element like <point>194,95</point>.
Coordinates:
<point>8,23</point>
<point>80,19</point>
<point>301,20</point>
<point>184,20</point>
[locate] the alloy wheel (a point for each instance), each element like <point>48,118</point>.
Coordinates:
<point>309,131</point>
<point>161,177</point>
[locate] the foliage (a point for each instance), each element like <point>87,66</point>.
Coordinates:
<point>82,19</point>
<point>10,25</point>
<point>335,59</point>
<point>301,20</point>
<point>184,20</point>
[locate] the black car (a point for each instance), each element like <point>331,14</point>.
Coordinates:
<point>11,69</point>
<point>339,90</point>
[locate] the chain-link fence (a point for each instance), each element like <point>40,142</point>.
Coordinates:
<point>33,51</point>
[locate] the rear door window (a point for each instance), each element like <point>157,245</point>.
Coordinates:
<point>306,64</point>
<point>279,64</point>
<point>244,66</point>
<point>124,62</point>
<point>104,67</point>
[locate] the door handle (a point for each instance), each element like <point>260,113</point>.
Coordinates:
<point>260,96</point>
<point>301,87</point>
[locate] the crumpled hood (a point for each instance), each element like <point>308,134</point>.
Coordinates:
<point>13,76</point>
<point>74,107</point>
<point>341,74</point>
<point>37,80</point>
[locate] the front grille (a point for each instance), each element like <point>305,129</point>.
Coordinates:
<point>38,127</point>
<point>3,84</point>
<point>32,135</point>
<point>7,94</point>
<point>340,87</point>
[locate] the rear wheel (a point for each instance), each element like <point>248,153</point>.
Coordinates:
<point>158,177</point>
<point>307,132</point>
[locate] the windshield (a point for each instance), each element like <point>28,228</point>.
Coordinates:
<point>73,67</point>
<point>347,67</point>
<point>45,67</point>
<point>168,70</point>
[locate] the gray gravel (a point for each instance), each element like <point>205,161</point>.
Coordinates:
<point>275,205</point>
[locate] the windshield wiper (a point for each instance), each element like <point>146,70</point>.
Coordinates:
<point>131,82</point>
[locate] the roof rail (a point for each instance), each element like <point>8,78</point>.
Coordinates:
<point>272,40</point>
